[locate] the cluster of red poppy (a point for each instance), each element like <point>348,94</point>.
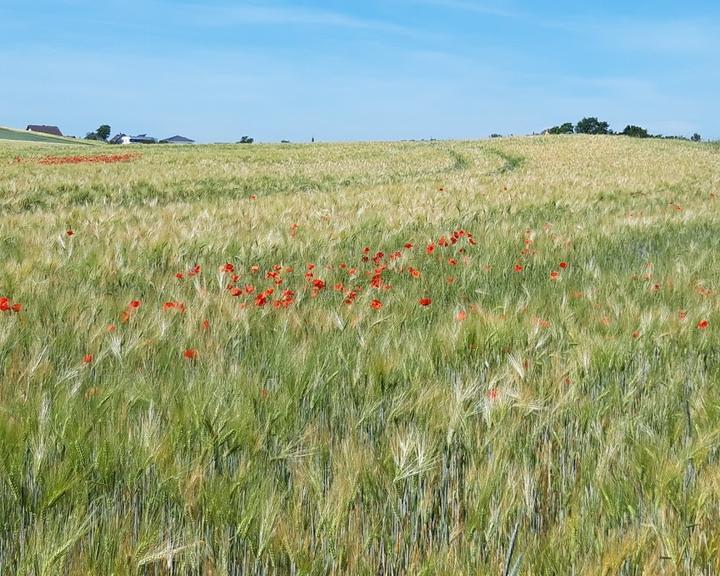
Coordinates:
<point>349,286</point>
<point>178,306</point>
<point>7,306</point>
<point>133,307</point>
<point>98,159</point>
<point>194,271</point>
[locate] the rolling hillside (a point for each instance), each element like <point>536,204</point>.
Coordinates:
<point>451,358</point>
<point>25,136</point>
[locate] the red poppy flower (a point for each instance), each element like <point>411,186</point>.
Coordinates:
<point>235,292</point>
<point>408,246</point>
<point>703,325</point>
<point>452,262</point>
<point>461,316</point>
<point>125,316</point>
<point>111,328</point>
<point>262,298</point>
<point>169,305</point>
<point>70,232</point>
<point>376,305</point>
<point>255,268</point>
<point>190,354</point>
<point>195,270</point>
<point>253,197</point>
<point>16,308</point>
<point>87,359</point>
<point>636,334</point>
<point>492,394</point>
<point>339,287</point>
<point>554,275</point>
<point>205,325</point>
<point>135,304</point>
<point>430,248</point>
<point>414,272</point>
<point>425,301</point>
<point>563,265</point>
<point>229,268</point>
<point>179,275</point>
<point>518,268</point>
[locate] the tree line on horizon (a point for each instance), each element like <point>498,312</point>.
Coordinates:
<point>592,125</point>
<point>588,125</point>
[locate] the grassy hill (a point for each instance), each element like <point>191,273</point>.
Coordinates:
<point>25,136</point>
<point>407,358</point>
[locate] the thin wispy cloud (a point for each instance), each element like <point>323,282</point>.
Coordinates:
<point>476,7</point>
<point>651,35</point>
<point>681,37</point>
<point>281,15</point>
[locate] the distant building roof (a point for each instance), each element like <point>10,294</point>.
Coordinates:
<point>54,130</point>
<point>142,139</point>
<point>177,140</point>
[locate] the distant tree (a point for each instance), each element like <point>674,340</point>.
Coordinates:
<point>592,126</point>
<point>635,132</point>
<point>566,128</point>
<point>246,140</point>
<point>696,137</point>
<point>103,132</point>
<point>495,135</point>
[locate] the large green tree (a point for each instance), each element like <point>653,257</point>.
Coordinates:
<point>635,132</point>
<point>592,126</point>
<point>566,128</point>
<point>101,133</point>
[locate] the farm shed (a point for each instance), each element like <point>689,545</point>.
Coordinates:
<point>177,140</point>
<point>52,130</point>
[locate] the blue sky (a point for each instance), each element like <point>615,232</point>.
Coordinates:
<point>215,70</point>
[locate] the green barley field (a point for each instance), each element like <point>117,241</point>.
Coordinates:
<point>444,358</point>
